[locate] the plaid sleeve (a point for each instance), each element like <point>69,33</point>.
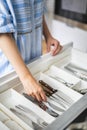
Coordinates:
<point>45,6</point>
<point>6,19</point>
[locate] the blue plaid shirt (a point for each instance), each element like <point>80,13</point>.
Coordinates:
<point>23,18</point>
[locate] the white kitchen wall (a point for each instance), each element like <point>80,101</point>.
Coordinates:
<point>65,33</point>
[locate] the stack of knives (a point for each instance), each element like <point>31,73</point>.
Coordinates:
<point>64,100</point>
<point>56,103</point>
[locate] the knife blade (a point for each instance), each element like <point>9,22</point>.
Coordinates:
<point>26,119</point>
<point>65,97</point>
<point>55,105</point>
<point>41,105</point>
<point>57,93</point>
<point>57,100</point>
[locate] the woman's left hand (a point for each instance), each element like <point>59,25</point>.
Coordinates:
<point>53,45</point>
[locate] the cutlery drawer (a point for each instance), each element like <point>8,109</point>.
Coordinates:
<point>45,69</point>
<point>11,99</point>
<point>8,121</point>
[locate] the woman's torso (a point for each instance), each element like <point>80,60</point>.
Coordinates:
<point>28,14</point>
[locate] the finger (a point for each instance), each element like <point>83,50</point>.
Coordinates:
<point>48,48</point>
<point>33,95</point>
<point>38,97</point>
<point>43,96</point>
<point>59,48</point>
<point>55,46</point>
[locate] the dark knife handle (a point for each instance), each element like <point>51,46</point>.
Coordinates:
<point>46,90</point>
<point>41,105</point>
<point>47,86</point>
<point>34,100</point>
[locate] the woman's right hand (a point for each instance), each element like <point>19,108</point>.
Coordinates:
<point>32,88</point>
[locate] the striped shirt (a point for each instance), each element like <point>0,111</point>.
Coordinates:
<point>23,18</point>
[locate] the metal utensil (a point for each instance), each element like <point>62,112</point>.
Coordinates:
<point>82,91</point>
<point>42,105</point>
<point>57,93</point>
<point>33,116</point>
<point>26,119</point>
<point>70,85</point>
<point>53,97</point>
<point>74,66</point>
<point>76,73</point>
<point>47,86</point>
<point>55,106</point>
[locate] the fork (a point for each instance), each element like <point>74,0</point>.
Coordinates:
<point>26,119</point>
<point>38,120</point>
<point>62,81</point>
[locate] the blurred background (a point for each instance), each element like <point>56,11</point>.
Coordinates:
<point>67,21</point>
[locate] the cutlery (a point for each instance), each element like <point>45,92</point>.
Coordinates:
<point>33,116</point>
<point>78,74</point>
<point>42,105</point>
<point>55,106</point>
<point>76,67</point>
<point>60,101</point>
<point>26,119</point>
<point>82,91</point>
<point>48,86</point>
<point>62,81</point>
<point>53,97</point>
<point>57,93</point>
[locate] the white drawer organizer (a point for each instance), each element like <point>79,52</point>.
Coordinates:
<point>53,72</point>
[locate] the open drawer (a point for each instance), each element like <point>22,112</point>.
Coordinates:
<point>52,71</point>
<point>8,121</point>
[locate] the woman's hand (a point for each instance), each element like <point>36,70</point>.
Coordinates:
<point>53,45</point>
<point>32,88</point>
<point>30,84</point>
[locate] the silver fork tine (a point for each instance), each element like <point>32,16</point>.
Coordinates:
<point>62,81</point>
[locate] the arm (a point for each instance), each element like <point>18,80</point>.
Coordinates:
<point>50,40</point>
<point>8,46</point>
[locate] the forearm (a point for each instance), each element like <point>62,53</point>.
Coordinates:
<point>9,48</point>
<point>46,31</point>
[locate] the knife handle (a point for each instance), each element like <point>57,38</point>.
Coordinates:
<point>47,90</point>
<point>47,86</point>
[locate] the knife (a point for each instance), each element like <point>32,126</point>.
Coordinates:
<point>47,86</point>
<point>78,74</point>
<point>33,116</point>
<point>26,119</point>
<point>55,106</point>
<point>57,93</point>
<point>54,98</point>
<point>52,104</point>
<point>41,105</point>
